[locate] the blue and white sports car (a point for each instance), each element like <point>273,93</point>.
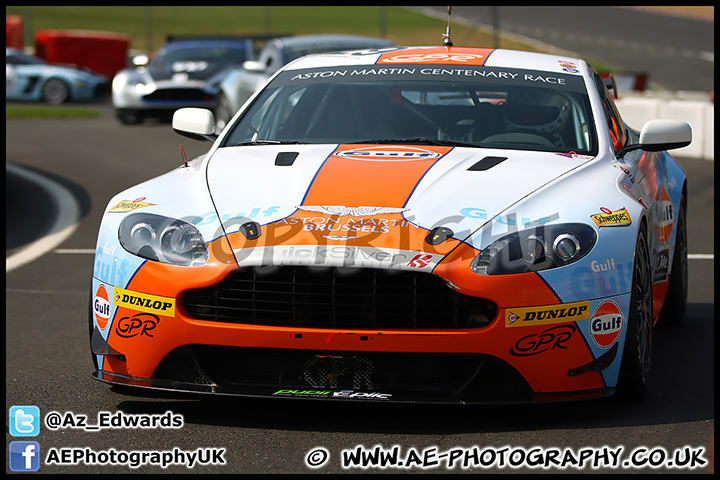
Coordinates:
<point>31,78</point>
<point>184,73</point>
<point>436,224</point>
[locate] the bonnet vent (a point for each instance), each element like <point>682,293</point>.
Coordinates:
<point>285,159</point>
<point>487,163</point>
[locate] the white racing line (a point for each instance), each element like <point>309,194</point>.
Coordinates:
<point>65,223</point>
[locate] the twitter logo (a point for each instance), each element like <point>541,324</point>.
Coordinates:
<point>24,421</point>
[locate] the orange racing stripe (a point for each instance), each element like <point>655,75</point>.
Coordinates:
<point>382,176</point>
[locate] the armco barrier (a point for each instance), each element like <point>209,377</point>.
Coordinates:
<point>102,52</point>
<point>700,114</point>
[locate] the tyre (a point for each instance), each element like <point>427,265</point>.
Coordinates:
<point>635,368</point>
<point>55,91</point>
<point>676,299</point>
<point>91,325</point>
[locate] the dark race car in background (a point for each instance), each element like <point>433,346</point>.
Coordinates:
<point>184,73</point>
<point>240,83</point>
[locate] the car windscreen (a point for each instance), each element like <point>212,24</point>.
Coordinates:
<point>197,60</point>
<point>22,59</point>
<point>470,106</point>
<point>294,52</point>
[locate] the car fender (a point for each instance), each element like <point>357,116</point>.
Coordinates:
<point>179,194</point>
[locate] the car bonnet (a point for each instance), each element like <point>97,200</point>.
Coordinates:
<point>380,206</point>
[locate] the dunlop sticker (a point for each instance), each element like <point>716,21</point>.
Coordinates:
<point>609,218</point>
<point>130,205</point>
<point>546,314</point>
<point>145,303</point>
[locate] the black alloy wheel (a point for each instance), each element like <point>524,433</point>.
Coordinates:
<point>635,368</point>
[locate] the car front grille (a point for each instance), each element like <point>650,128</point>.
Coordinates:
<point>184,94</point>
<point>439,376</point>
<point>328,297</point>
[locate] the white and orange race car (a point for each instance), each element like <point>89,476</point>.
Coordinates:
<point>431,224</point>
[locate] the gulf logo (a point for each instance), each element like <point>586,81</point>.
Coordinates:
<point>386,154</point>
<point>666,216</point>
<point>606,324</point>
<point>101,307</point>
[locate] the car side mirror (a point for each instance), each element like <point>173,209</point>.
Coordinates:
<point>658,135</point>
<point>195,123</point>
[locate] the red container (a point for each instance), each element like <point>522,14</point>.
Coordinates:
<point>103,52</point>
<point>13,31</point>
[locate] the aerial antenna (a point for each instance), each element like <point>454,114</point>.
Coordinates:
<point>183,155</point>
<point>447,41</point>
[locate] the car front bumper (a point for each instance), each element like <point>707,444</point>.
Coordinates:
<point>490,362</point>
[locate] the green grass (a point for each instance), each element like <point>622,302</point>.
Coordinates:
<point>15,111</point>
<point>148,27</point>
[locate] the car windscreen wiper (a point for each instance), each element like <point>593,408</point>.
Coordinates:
<point>423,140</point>
<point>269,142</point>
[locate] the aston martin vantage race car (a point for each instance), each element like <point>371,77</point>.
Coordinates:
<point>241,82</point>
<point>430,224</point>
<point>184,73</point>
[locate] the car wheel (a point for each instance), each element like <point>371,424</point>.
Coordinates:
<point>676,299</point>
<point>635,368</point>
<point>55,91</point>
<point>222,112</point>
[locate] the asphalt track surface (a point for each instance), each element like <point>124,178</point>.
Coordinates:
<point>677,53</point>
<point>48,363</point>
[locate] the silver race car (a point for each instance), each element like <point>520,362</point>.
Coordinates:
<point>184,73</point>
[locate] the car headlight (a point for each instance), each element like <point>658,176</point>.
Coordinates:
<point>163,239</point>
<point>145,88</point>
<point>535,249</point>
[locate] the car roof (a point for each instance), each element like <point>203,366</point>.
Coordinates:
<point>178,44</point>
<point>455,56</point>
<point>352,41</point>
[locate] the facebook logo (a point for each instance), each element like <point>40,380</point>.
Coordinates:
<point>24,421</point>
<point>24,456</point>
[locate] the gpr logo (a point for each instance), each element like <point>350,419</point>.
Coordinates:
<point>141,324</point>
<point>24,456</point>
<point>550,339</point>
